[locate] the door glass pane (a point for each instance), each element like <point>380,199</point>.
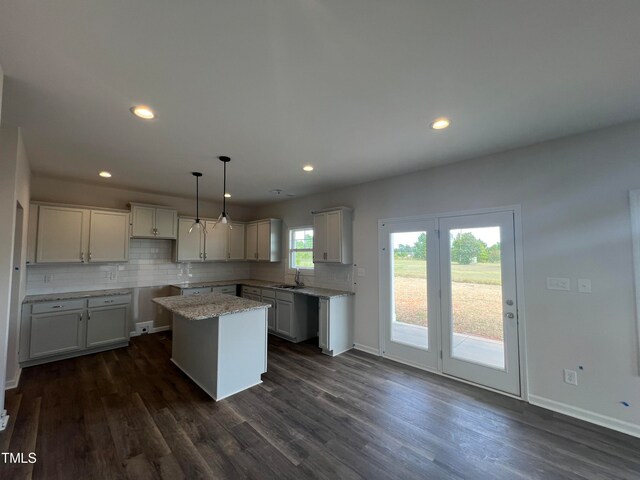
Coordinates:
<point>409,320</point>
<point>476,296</point>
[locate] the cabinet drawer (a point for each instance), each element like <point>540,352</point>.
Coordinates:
<point>106,301</point>
<point>59,306</point>
<point>286,296</point>
<point>268,293</point>
<point>251,290</point>
<point>227,290</point>
<point>196,291</point>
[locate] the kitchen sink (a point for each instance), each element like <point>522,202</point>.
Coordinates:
<point>288,287</point>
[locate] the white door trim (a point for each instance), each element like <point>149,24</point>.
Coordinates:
<point>634,203</point>
<point>522,337</point>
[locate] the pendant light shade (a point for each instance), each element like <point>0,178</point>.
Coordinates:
<point>224,216</point>
<point>196,225</point>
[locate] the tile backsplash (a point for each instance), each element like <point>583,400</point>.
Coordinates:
<point>150,264</point>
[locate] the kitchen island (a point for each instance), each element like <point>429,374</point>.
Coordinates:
<point>219,341</point>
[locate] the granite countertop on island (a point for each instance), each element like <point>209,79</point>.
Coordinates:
<point>210,305</point>
<point>311,291</point>
<point>52,297</point>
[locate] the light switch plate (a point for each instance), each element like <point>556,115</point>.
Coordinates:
<point>555,283</point>
<point>361,272</point>
<point>584,285</point>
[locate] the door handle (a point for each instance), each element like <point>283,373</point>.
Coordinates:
<point>509,315</point>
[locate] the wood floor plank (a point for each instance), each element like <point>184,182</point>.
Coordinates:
<point>131,413</point>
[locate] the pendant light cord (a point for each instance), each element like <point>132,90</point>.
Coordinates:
<point>197,199</point>
<point>224,190</point>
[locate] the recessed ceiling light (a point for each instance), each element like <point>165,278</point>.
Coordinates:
<point>142,111</point>
<point>308,168</point>
<point>227,195</point>
<point>440,123</point>
<point>105,174</point>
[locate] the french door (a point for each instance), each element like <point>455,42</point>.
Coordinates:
<point>449,297</point>
<point>411,294</point>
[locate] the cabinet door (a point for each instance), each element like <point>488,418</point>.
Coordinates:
<point>190,245</point>
<point>143,221</point>
<point>252,241</point>
<point>333,237</point>
<point>284,318</point>
<point>264,241</point>
<point>109,237</point>
<point>323,324</point>
<point>319,237</point>
<point>54,334</point>
<point>62,235</point>
<point>215,241</point>
<point>166,223</point>
<point>107,325</point>
<point>236,242</point>
<point>271,313</point>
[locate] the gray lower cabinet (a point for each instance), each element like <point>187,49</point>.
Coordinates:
<point>284,318</point>
<point>56,333</point>
<point>292,316</point>
<point>335,325</point>
<point>107,325</point>
<point>55,330</point>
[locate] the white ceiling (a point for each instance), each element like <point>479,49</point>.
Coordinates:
<point>347,85</point>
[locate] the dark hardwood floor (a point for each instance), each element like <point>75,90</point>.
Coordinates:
<point>130,413</point>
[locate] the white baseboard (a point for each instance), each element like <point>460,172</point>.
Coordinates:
<point>9,384</point>
<point>586,415</point>
<point>153,330</point>
<point>366,349</point>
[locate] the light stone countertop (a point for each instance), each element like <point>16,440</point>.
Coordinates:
<point>209,305</point>
<point>311,291</point>
<point>52,297</point>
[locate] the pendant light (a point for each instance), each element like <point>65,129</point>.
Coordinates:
<point>196,223</point>
<point>224,217</point>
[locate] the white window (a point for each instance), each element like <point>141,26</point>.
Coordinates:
<point>301,248</point>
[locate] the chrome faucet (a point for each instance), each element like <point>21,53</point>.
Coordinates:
<point>297,279</point>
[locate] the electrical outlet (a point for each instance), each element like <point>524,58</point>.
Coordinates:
<point>584,285</point>
<point>143,327</point>
<point>570,377</point>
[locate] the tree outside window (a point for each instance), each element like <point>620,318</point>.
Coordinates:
<point>301,248</point>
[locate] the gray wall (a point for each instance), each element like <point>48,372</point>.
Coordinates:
<point>575,214</point>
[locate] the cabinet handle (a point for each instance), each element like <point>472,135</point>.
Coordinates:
<point>89,316</point>
<point>200,254</point>
<point>57,306</point>
<point>81,316</point>
<point>108,301</point>
<point>82,257</point>
<point>89,255</point>
<point>205,256</point>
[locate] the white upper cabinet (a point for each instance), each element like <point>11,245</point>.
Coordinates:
<point>78,235</point>
<point>216,244</point>
<point>148,221</point>
<point>216,241</point>
<point>252,241</point>
<point>63,234</point>
<point>236,242</point>
<point>264,239</point>
<point>166,223</point>
<point>109,236</point>
<point>190,246</point>
<point>332,236</point>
